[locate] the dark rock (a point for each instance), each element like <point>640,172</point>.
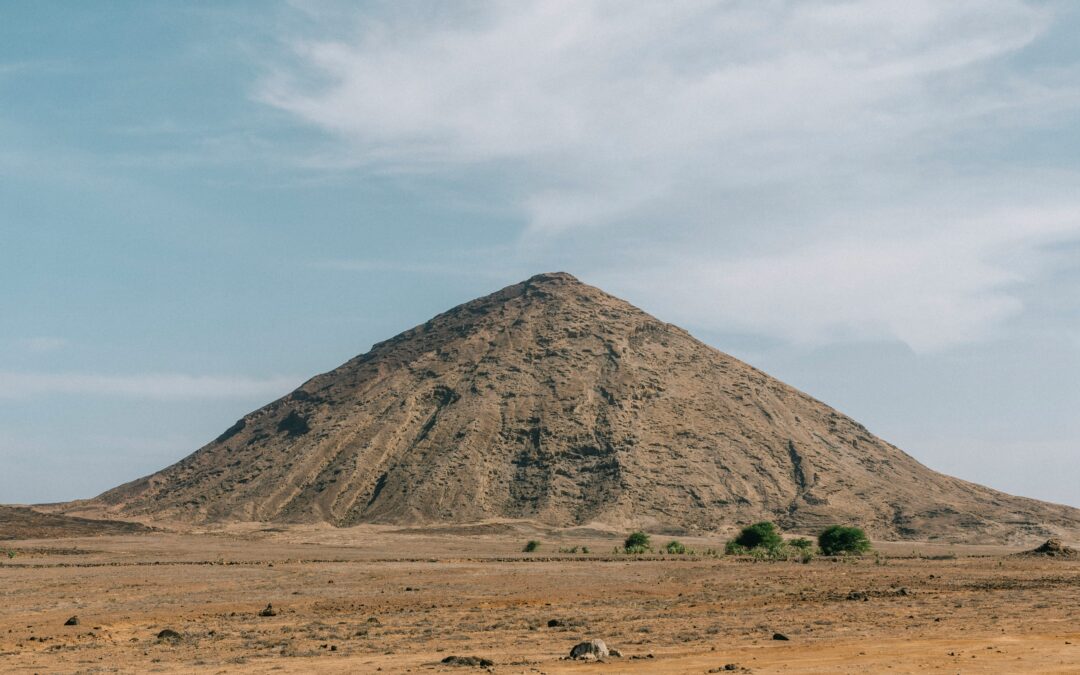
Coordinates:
<point>73,621</point>
<point>474,661</point>
<point>269,611</point>
<point>554,623</point>
<point>780,636</point>
<point>169,635</point>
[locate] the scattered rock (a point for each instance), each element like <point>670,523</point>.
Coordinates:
<point>73,621</point>
<point>474,661</point>
<point>858,595</point>
<point>592,649</point>
<point>269,611</point>
<point>780,636</point>
<point>169,635</point>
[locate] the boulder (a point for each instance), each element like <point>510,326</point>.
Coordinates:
<point>590,650</point>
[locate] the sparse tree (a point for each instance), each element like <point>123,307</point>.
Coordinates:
<point>843,540</point>
<point>759,535</point>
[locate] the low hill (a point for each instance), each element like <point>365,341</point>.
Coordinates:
<point>17,522</point>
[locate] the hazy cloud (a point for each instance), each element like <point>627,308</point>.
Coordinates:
<point>43,344</point>
<point>150,386</point>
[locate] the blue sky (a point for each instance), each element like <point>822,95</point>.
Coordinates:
<point>202,204</point>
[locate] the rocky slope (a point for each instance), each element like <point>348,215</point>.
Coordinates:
<point>553,401</point>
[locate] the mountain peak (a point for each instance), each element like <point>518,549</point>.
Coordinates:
<point>553,278</point>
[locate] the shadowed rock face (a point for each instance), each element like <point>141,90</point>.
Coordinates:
<point>553,401</point>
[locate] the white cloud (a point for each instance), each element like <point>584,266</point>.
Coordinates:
<point>763,147</point>
<point>149,386</point>
<point>571,87</point>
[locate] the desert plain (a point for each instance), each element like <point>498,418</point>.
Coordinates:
<point>392,599</point>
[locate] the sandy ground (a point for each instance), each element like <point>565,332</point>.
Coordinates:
<point>374,599</point>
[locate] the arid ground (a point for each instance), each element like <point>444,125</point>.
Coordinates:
<point>372,598</point>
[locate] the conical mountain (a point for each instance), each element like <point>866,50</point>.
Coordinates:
<point>553,401</point>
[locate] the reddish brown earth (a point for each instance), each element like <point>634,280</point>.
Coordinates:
<point>555,402</point>
<point>371,598</point>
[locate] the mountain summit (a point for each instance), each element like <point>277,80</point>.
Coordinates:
<point>553,401</point>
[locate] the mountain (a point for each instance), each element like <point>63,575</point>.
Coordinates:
<point>555,402</point>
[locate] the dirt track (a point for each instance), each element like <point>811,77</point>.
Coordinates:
<point>368,598</point>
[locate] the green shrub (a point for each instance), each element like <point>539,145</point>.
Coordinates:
<point>675,548</point>
<point>843,540</point>
<point>801,543</point>
<point>731,548</point>
<point>759,535</point>
<point>533,545</point>
<point>637,542</point>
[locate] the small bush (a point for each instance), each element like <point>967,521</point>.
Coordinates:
<point>638,542</point>
<point>675,548</point>
<point>533,545</point>
<point>801,543</point>
<point>11,554</point>
<point>731,548</point>
<point>584,549</point>
<point>843,540</point>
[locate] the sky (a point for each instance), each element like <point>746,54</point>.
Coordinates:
<point>202,204</point>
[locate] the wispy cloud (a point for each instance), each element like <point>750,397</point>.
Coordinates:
<point>766,148</point>
<point>159,386</point>
<point>948,283</point>
<point>42,344</point>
